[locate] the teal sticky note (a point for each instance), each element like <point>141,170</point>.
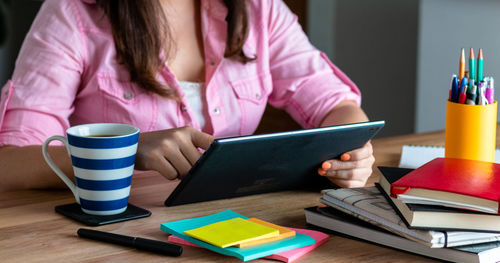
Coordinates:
<point>177,228</point>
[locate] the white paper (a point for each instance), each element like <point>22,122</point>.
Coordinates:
<point>414,156</point>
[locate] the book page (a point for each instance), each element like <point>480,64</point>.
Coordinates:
<point>414,156</point>
<point>368,204</point>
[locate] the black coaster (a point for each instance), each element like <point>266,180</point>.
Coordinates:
<point>74,211</point>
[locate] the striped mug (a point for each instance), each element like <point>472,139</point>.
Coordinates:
<point>103,156</point>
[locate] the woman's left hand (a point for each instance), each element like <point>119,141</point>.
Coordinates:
<point>353,168</point>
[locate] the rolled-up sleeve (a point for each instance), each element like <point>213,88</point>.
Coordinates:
<point>305,83</point>
<point>37,102</point>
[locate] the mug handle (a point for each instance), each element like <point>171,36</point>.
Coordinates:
<point>56,169</point>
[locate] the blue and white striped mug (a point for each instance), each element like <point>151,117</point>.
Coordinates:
<point>103,156</point>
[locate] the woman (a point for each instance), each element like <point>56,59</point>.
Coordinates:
<point>183,71</point>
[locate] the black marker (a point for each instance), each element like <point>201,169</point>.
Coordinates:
<point>135,242</point>
<point>471,96</point>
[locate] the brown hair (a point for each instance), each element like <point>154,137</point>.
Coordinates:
<point>141,33</point>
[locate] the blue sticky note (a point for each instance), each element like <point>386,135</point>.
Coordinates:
<point>177,228</point>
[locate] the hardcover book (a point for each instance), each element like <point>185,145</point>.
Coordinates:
<point>459,183</point>
<point>433,216</point>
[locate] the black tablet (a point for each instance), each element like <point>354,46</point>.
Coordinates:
<point>255,164</point>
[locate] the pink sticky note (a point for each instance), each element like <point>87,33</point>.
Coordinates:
<point>285,256</point>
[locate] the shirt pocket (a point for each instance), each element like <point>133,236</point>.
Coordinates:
<point>251,94</point>
<point>126,102</point>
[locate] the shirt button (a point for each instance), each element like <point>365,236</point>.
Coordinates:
<point>184,108</point>
<point>127,95</point>
<point>212,63</point>
<point>257,96</point>
<point>217,111</point>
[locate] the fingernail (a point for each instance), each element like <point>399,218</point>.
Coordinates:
<point>321,171</point>
<point>345,157</point>
<point>326,165</point>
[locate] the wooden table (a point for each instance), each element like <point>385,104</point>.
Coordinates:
<point>30,230</point>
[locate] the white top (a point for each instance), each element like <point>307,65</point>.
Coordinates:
<point>194,97</point>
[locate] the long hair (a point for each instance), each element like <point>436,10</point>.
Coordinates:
<point>141,33</point>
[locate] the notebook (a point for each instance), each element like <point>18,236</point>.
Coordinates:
<point>458,183</point>
<point>437,217</point>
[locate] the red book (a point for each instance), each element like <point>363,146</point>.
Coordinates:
<point>459,183</point>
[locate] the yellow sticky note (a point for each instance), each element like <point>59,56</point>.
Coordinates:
<point>231,232</point>
<point>283,233</point>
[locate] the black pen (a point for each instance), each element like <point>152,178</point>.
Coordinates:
<point>135,242</point>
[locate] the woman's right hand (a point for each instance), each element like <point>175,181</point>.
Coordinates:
<point>171,152</point>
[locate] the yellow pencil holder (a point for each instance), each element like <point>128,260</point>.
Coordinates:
<point>470,131</point>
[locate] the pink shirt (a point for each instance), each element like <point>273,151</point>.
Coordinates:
<point>67,74</point>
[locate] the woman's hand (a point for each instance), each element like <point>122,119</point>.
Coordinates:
<point>353,168</point>
<point>171,152</point>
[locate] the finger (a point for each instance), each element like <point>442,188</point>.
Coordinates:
<point>346,165</point>
<point>201,139</point>
<point>360,174</point>
<point>360,153</point>
<point>345,157</point>
<point>164,167</point>
<point>347,183</point>
<point>178,161</point>
<point>191,153</point>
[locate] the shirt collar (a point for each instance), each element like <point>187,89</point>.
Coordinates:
<point>216,8</point>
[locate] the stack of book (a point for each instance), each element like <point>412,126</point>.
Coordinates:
<point>444,209</point>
